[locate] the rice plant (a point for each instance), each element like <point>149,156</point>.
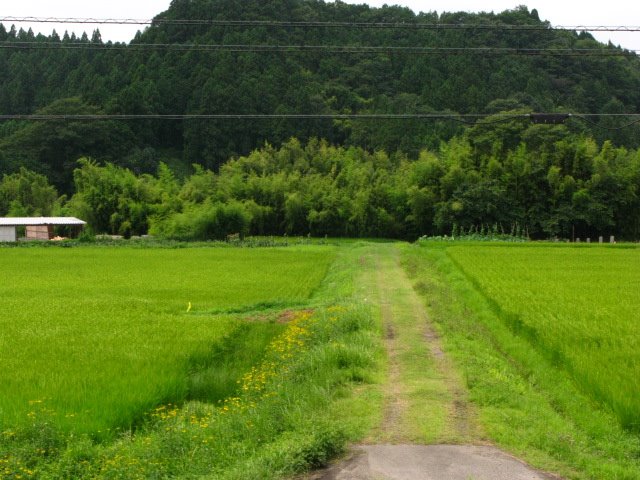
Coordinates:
<point>579,306</point>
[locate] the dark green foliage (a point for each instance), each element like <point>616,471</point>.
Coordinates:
<point>553,180</point>
<point>169,81</point>
<point>52,148</point>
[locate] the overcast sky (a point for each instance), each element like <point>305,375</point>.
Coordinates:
<point>558,12</point>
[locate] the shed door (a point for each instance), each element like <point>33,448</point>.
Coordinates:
<point>7,234</point>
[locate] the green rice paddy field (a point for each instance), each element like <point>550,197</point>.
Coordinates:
<point>579,306</point>
<point>94,337</point>
<point>120,362</point>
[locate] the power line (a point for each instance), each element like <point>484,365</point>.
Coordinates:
<point>604,127</point>
<point>319,24</point>
<point>338,49</point>
<point>252,116</point>
<point>318,116</point>
<point>466,119</point>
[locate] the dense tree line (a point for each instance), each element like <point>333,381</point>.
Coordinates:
<point>541,179</point>
<point>170,81</point>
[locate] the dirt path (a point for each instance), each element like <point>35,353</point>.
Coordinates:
<point>425,398</point>
<point>429,429</point>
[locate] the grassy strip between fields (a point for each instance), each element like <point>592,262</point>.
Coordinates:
<point>526,405</point>
<point>273,398</point>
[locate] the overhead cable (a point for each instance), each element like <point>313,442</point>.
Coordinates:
<point>489,117</point>
<point>337,49</point>
<point>252,116</point>
<point>586,118</point>
<point>320,24</point>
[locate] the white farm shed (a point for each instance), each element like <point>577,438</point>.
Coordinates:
<point>37,228</point>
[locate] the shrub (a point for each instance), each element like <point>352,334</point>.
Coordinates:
<point>209,221</point>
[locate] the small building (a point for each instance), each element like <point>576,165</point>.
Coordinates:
<point>36,228</point>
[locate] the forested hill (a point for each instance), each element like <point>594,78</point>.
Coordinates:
<point>99,78</point>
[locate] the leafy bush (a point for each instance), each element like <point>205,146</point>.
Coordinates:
<point>209,221</point>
